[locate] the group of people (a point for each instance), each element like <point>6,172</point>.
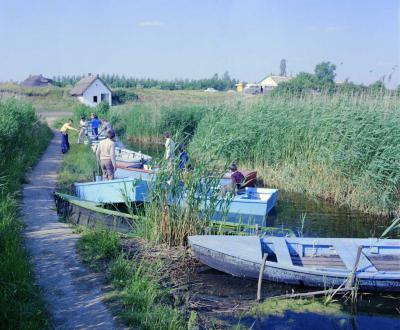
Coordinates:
<point>106,156</point>
<point>85,127</point>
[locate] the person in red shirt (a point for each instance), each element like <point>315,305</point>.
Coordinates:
<point>236,176</point>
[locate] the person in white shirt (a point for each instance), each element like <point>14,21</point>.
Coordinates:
<point>82,130</point>
<point>105,154</point>
<point>169,149</point>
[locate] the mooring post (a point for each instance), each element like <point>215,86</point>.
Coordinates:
<point>260,276</point>
<point>350,281</point>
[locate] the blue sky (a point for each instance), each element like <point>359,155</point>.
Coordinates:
<point>194,39</point>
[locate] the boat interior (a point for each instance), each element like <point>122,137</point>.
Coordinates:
<point>379,257</point>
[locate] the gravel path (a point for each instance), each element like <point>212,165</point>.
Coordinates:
<point>73,294</point>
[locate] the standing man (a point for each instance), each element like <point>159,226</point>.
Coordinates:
<point>105,154</point>
<point>82,130</point>
<point>95,127</point>
<point>64,135</point>
<point>169,149</point>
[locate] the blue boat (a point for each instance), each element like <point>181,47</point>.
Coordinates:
<point>250,206</point>
<point>315,262</point>
<point>113,191</point>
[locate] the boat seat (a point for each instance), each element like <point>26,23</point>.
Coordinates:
<point>249,180</point>
<point>281,250</point>
<point>347,251</point>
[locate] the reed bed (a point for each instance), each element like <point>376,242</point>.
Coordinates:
<point>22,139</point>
<point>180,203</point>
<point>341,148</point>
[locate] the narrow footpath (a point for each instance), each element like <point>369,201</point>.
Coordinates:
<point>73,294</point>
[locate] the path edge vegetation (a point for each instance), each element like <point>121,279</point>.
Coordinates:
<point>23,139</point>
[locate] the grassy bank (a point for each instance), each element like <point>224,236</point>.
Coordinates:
<point>78,165</point>
<point>138,284</point>
<point>23,138</point>
<point>339,148</point>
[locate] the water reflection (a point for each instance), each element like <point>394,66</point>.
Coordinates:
<point>302,321</point>
<point>323,219</point>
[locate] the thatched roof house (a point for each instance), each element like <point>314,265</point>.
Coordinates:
<point>91,90</point>
<point>37,81</point>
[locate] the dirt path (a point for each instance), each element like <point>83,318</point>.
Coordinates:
<point>73,294</point>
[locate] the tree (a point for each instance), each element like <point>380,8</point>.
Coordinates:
<point>325,73</point>
<point>377,86</point>
<point>283,67</point>
<point>302,82</point>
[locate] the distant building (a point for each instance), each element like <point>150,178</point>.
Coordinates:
<point>37,81</point>
<point>91,90</point>
<point>252,89</point>
<point>271,81</point>
<point>240,87</point>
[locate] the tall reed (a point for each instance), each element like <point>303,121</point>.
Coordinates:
<point>181,201</point>
<point>341,148</point>
<point>22,139</point>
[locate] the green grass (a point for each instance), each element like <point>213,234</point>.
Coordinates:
<point>22,139</point>
<point>340,148</point>
<point>136,283</point>
<point>78,165</point>
<point>279,306</point>
<point>43,99</point>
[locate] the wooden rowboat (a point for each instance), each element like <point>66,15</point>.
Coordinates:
<point>251,206</point>
<point>316,262</point>
<point>113,191</point>
<point>92,215</point>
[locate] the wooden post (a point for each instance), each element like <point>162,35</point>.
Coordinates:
<point>350,281</point>
<point>260,276</point>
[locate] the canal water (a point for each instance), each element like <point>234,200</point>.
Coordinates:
<point>307,217</point>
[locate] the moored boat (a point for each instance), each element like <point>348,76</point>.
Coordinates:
<point>113,191</point>
<point>316,262</point>
<point>250,206</point>
<point>92,214</point>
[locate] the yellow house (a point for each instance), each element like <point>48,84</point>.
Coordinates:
<point>240,87</point>
<point>271,81</point>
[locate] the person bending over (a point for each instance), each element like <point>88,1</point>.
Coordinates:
<point>64,135</point>
<point>105,154</point>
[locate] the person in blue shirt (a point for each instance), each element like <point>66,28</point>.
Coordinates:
<point>184,159</point>
<point>95,122</point>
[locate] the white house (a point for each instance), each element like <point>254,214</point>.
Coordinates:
<point>271,81</point>
<point>91,90</point>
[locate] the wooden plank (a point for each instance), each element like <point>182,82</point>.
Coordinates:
<point>347,250</point>
<point>281,250</point>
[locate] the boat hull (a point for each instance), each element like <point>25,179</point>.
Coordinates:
<point>113,191</point>
<point>225,259</point>
<point>88,214</point>
<point>248,209</point>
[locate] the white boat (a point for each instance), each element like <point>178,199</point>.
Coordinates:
<point>316,262</point>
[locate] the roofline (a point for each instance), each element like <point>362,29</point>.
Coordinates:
<point>109,89</point>
<point>274,75</point>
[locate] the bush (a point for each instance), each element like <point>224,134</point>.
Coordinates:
<point>121,96</point>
